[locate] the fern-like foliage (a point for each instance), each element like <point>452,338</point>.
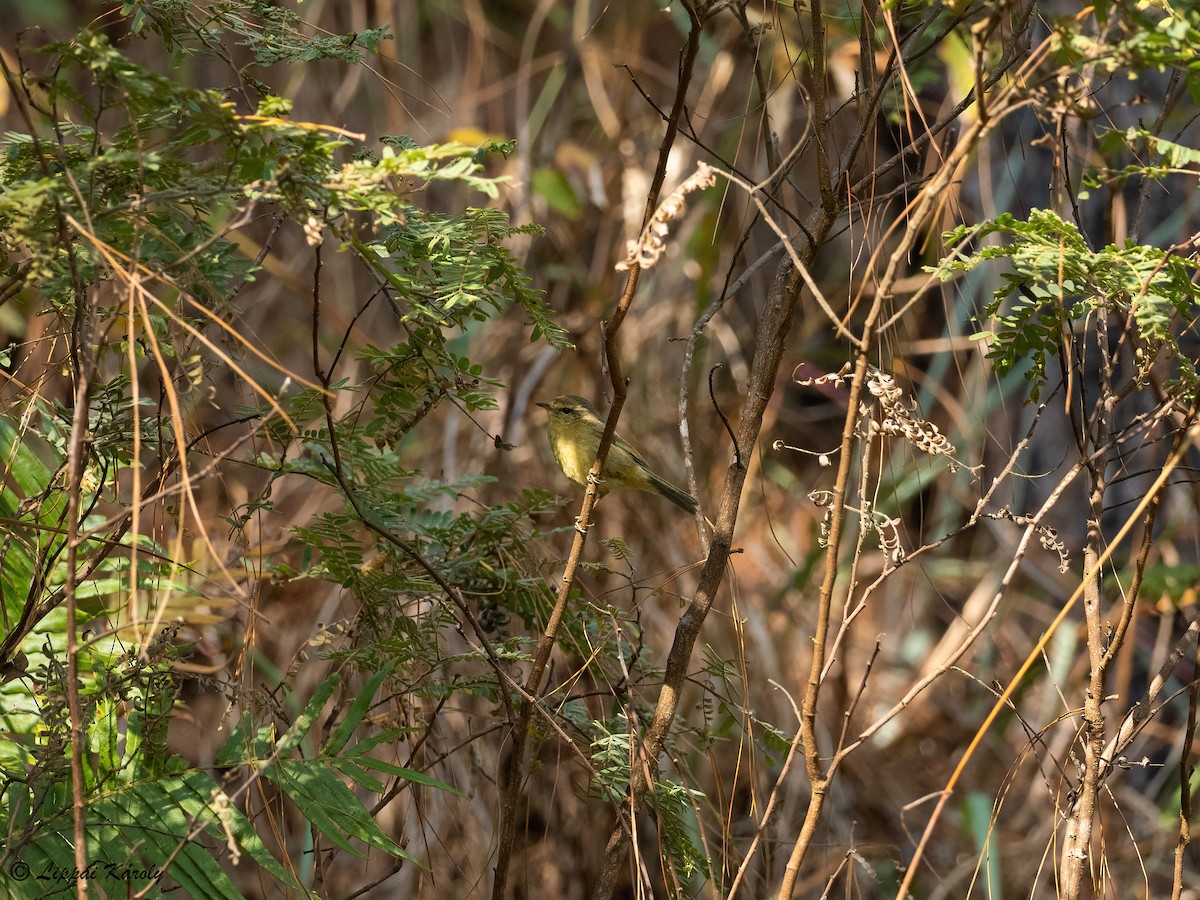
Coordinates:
<point>1054,280</point>
<point>120,213</point>
<point>155,822</point>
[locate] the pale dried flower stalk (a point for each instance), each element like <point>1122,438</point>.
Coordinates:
<point>649,248</point>
<point>898,419</point>
<point>1047,536</point>
<point>872,520</point>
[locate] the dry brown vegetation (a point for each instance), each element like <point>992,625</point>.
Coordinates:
<point>934,630</point>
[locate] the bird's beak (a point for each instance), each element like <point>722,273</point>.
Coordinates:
<point>543,405</point>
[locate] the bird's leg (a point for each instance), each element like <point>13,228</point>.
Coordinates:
<point>597,481</point>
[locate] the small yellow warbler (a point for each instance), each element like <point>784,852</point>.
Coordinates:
<point>575,430</point>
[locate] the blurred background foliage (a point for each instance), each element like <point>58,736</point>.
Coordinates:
<point>376,233</point>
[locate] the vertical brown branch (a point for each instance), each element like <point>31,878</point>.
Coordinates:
<point>76,459</point>
<point>1185,788</point>
<point>1103,646</point>
<point>919,213</point>
<point>83,360</point>
<point>782,300</point>
<point>1078,839</point>
<point>771,336</point>
<point>520,734</point>
<point>829,197</point>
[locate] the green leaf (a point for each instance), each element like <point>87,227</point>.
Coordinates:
<point>552,186</point>
<point>357,710</point>
<point>325,801</point>
<point>294,735</point>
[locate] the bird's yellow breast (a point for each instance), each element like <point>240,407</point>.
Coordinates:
<point>574,457</point>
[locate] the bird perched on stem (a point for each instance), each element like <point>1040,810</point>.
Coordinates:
<point>575,430</point>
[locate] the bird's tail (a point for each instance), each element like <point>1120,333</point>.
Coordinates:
<point>682,499</point>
